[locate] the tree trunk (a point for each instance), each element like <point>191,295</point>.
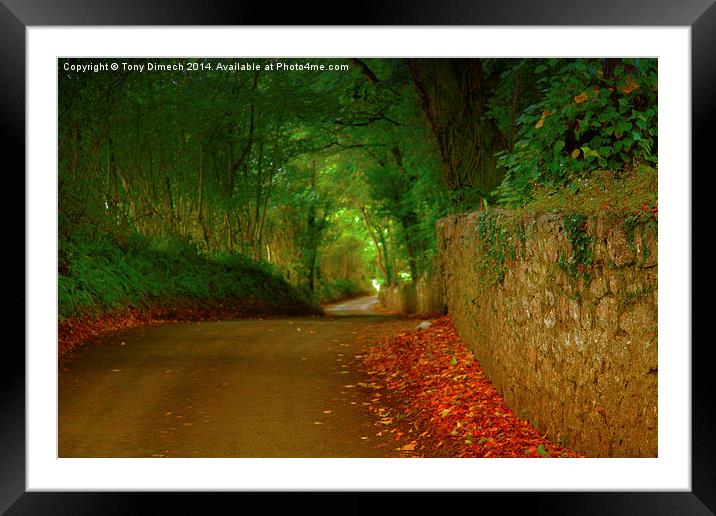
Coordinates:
<point>200,210</point>
<point>377,244</point>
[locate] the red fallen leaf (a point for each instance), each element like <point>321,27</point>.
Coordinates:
<point>423,386</point>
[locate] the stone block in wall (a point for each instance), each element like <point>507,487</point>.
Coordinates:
<point>426,297</point>
<point>620,252</point>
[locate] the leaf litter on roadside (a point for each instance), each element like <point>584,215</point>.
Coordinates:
<point>427,389</point>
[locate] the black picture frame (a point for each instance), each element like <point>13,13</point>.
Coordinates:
<point>699,15</point>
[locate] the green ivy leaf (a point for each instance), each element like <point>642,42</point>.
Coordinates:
<point>590,153</point>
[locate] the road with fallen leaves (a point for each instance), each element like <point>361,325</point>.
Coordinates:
<point>289,387</point>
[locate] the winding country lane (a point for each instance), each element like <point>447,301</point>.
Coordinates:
<point>250,388</point>
<point>357,306</point>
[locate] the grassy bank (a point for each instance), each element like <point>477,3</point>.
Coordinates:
<point>111,283</point>
<point>339,290</point>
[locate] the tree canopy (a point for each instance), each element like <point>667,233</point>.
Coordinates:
<point>337,174</point>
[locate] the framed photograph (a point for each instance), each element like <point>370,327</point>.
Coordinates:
<point>51,57</point>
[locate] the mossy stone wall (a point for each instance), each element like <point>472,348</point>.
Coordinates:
<point>425,297</point>
<point>561,311</point>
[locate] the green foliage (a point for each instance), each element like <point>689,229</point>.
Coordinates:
<point>105,276</point>
<point>643,218</point>
<point>542,451</point>
<point>582,257</point>
<point>497,241</point>
<point>515,90</point>
<point>347,251</point>
<point>454,95</point>
<point>166,180</point>
<point>400,170</point>
<point>338,290</point>
<point>590,116</point>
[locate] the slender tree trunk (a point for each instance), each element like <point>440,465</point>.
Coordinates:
<point>200,208</point>
<point>227,225</point>
<point>270,183</point>
<point>377,244</point>
<point>312,232</point>
<point>170,203</point>
<point>257,209</point>
<point>389,276</point>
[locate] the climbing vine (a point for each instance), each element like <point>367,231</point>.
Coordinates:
<point>579,264</point>
<point>497,240</point>
<point>646,218</point>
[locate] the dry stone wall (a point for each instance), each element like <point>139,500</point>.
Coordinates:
<point>561,312</point>
<point>425,297</point>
